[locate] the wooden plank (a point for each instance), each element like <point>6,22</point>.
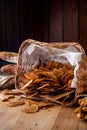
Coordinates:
<point>62,124</point>
<point>12,36</point>
<point>70,20</point>
<point>25,19</point>
<point>55,20</point>
<point>44,21</point>
<point>2,26</point>
<point>36,5</point>
<point>37,19</point>
<point>54,118</point>
<point>15,119</point>
<point>83,23</point>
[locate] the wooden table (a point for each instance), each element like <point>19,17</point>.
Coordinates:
<point>54,118</point>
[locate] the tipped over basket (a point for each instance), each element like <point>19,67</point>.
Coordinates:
<point>39,70</point>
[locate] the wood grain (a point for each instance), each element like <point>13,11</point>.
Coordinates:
<point>44,20</point>
<point>83,23</point>
<point>11,21</point>
<point>37,19</point>
<point>25,19</point>
<point>70,20</point>
<point>54,118</point>
<point>55,20</point>
<point>2,26</point>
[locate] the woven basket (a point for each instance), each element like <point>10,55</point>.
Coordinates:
<point>26,43</point>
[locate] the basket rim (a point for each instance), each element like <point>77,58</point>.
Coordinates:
<point>52,44</point>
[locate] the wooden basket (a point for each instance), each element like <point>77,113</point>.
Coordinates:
<point>26,43</point>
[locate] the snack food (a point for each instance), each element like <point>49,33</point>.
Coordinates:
<point>82,109</point>
<point>9,69</point>
<point>46,76</point>
<point>9,56</point>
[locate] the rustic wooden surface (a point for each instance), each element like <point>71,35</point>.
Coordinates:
<point>44,20</point>
<point>54,118</point>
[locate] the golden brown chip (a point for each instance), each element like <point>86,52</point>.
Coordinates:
<point>5,97</point>
<point>31,75</point>
<point>27,84</point>
<point>31,109</point>
<point>11,92</point>
<point>53,78</point>
<point>38,81</point>
<point>22,79</point>
<point>15,103</point>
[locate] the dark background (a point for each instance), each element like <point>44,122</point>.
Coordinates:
<point>43,20</point>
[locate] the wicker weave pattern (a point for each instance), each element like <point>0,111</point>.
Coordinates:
<point>26,43</point>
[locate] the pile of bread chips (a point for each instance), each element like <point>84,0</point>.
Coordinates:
<point>46,85</point>
<point>51,80</point>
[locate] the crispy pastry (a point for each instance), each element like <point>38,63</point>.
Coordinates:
<point>9,69</point>
<point>9,56</point>
<point>81,111</point>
